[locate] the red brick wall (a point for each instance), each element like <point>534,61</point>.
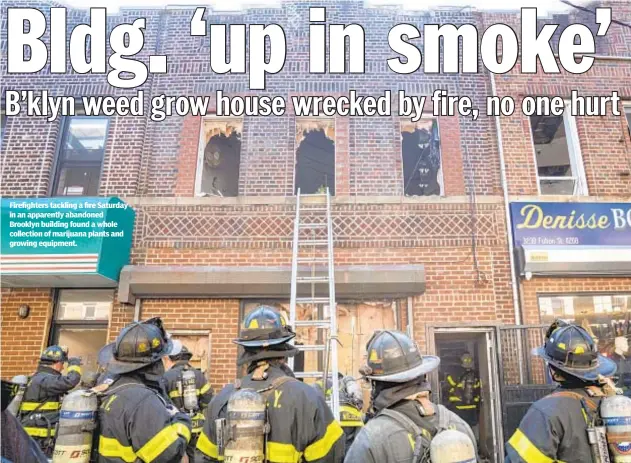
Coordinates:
<point>604,141</point>
<point>219,316</point>
<point>23,339</point>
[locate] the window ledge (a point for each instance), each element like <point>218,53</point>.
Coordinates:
<point>284,200</point>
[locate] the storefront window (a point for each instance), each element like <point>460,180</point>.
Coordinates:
<point>80,322</point>
<point>605,316</point>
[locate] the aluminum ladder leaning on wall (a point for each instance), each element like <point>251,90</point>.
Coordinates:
<point>316,270</point>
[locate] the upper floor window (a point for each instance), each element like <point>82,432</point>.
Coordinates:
<point>219,157</point>
<point>558,155</point>
<point>80,159</point>
<point>420,148</point>
<point>627,112</point>
<point>315,155</point>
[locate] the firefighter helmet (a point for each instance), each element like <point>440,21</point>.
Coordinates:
<point>558,323</point>
<point>138,345</point>
<point>394,357</point>
<point>54,354</point>
<point>572,350</point>
<point>184,354</point>
<point>264,327</point>
<point>466,361</point>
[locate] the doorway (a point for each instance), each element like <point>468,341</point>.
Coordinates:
<point>450,344</point>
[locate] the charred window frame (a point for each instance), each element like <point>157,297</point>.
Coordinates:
<point>80,155</point>
<point>315,156</point>
<point>557,154</point>
<point>219,157</point>
<point>422,158</point>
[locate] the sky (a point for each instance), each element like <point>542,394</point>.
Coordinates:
<point>546,6</point>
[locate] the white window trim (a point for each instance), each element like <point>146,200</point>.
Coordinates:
<point>574,150</point>
<point>440,177</point>
<point>199,170</point>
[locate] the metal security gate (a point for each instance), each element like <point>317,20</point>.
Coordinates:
<point>524,377</point>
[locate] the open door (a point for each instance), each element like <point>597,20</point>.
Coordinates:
<point>450,344</point>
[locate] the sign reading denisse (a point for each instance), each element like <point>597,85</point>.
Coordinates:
<point>571,224</point>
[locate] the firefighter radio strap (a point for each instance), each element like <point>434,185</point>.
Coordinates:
<point>421,436</point>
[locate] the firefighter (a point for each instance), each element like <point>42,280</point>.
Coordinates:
<point>555,427</point>
<point>405,419</point>
<point>16,446</point>
<point>351,404</point>
<point>39,410</point>
<point>464,392</point>
<point>175,386</point>
<point>301,425</point>
<point>136,421</point>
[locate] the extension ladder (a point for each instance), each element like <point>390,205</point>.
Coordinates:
<point>313,248</point>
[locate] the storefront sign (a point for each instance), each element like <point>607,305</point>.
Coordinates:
<point>571,224</point>
<point>65,241</point>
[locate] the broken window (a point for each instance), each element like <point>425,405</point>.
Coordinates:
<point>559,165</point>
<point>315,156</point>
<point>420,146</point>
<point>218,165</point>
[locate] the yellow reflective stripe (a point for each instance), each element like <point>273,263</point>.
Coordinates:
<point>320,448</point>
<point>76,368</point>
<point>197,430</point>
<point>526,449</point>
<point>158,444</point>
<point>450,380</point>
<point>111,448</point>
<point>282,453</point>
<point>182,430</point>
<point>478,384</point>
<point>205,388</point>
<point>174,394</point>
<point>466,407</point>
<point>47,406</point>
<point>351,424</point>
<point>411,439</point>
<point>39,432</point>
<point>454,399</point>
<point>209,449</point>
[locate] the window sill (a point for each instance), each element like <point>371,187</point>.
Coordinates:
<point>285,200</point>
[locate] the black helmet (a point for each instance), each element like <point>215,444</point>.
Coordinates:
<point>394,357</point>
<point>54,354</point>
<point>264,327</point>
<point>138,345</point>
<point>184,354</point>
<point>572,350</point>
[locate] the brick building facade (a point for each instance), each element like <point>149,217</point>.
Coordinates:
<point>459,237</point>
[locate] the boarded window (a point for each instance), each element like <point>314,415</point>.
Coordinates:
<point>220,158</point>
<point>315,156</point>
<point>420,146</point>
